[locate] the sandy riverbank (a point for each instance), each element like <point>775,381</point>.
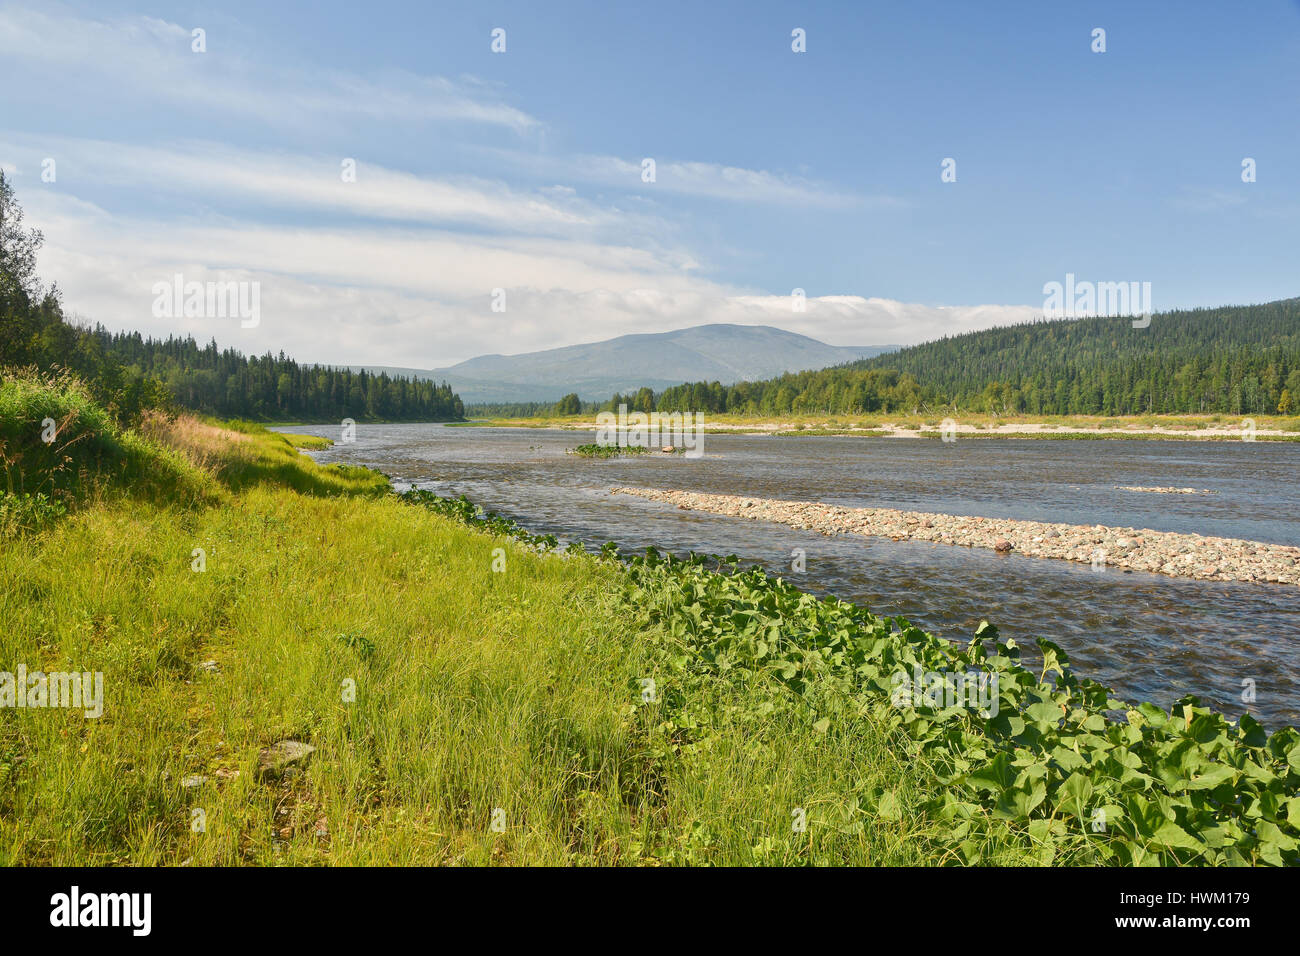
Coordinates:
<point>1047,430</point>
<point>1175,431</point>
<point>1156,552</point>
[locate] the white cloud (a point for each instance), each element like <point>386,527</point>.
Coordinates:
<point>146,60</point>
<point>218,174</point>
<point>396,268</point>
<point>422,298</point>
<point>855,320</point>
<point>689,178</point>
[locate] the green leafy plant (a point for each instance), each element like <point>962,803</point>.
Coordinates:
<point>609,451</point>
<point>358,642</point>
<point>1077,775</point>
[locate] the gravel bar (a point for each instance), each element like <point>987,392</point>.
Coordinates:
<point>1155,552</point>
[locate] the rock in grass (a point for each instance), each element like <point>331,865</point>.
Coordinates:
<point>274,760</point>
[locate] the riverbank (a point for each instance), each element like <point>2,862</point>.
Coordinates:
<point>1076,427</point>
<point>1156,552</point>
<point>301,668</point>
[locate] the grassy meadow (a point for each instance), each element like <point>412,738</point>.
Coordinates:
<point>474,690</point>
<point>476,696</point>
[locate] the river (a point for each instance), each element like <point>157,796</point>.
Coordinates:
<point>1149,637</point>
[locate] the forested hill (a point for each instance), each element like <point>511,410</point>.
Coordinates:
<point>228,384</point>
<point>1235,359</point>
<point>1238,360</point>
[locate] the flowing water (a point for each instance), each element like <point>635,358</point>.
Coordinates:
<point>1147,636</point>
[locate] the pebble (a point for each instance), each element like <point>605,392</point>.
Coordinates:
<point>1159,552</point>
<point>280,758</point>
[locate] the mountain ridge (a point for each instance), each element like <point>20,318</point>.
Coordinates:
<point>722,352</point>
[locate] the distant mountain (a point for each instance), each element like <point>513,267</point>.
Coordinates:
<point>722,353</point>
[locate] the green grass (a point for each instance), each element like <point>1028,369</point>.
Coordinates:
<point>308,442</point>
<point>519,690</point>
<point>475,690</point>
<point>491,673</point>
<point>609,451</point>
<point>272,458</point>
<point>56,442</point>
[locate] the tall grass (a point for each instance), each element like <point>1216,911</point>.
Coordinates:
<point>55,441</point>
<point>512,696</point>
<point>475,690</point>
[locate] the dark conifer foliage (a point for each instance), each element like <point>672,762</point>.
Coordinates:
<point>1238,360</point>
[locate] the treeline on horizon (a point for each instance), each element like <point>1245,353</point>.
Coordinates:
<point>568,405</point>
<point>1237,360</point>
<point>128,372</point>
<point>225,383</point>
<point>134,372</point>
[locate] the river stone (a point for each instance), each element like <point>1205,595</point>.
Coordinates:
<point>1180,555</point>
<point>274,760</point>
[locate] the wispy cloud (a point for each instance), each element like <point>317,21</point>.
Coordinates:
<point>148,60</point>
<point>1203,199</point>
<point>382,295</point>
<point>398,267</point>
<point>216,173</point>
<point>691,178</point>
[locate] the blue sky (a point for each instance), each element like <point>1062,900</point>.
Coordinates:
<point>775,169</point>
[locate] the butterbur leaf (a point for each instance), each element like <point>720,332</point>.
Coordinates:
<point>1269,833</point>
<point>1055,661</point>
<point>1172,835</point>
<point>1067,760</point>
<point>1074,794</point>
<point>994,776</point>
<point>1008,723</point>
<point>1045,715</point>
<point>1257,772</point>
<point>1293,812</point>
<point>1212,778</point>
<point>1293,756</point>
<point>1271,854</point>
<point>887,808</point>
<point>1252,734</point>
<point>1153,714</point>
<point>1146,817</point>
